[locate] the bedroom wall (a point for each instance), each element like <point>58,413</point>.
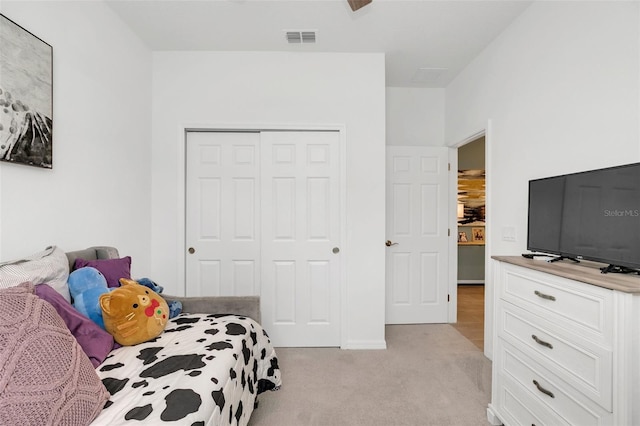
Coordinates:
<point>560,87</point>
<point>415,116</point>
<point>559,101</point>
<point>280,89</point>
<point>98,192</point>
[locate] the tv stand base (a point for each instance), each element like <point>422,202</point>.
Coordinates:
<point>614,269</point>
<point>559,258</point>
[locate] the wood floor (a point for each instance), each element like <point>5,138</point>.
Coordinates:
<point>471,313</point>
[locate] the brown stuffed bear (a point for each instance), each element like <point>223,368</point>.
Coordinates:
<point>133,313</point>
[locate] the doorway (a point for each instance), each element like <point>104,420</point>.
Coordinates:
<point>471,240</point>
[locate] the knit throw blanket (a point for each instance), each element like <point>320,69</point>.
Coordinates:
<point>45,377</point>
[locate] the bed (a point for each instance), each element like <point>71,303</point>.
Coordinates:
<point>207,367</point>
<point>203,370</point>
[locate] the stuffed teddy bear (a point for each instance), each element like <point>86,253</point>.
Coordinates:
<point>86,285</point>
<point>133,313</point>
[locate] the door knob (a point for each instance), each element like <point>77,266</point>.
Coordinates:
<point>389,243</point>
<point>191,250</point>
<point>335,250</point>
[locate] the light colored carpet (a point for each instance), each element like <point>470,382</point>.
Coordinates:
<point>428,375</point>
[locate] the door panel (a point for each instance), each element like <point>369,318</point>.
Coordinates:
<point>301,226</point>
<point>222,190</point>
<point>417,264</point>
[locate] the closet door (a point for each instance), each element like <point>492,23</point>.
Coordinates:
<point>222,214</point>
<point>263,217</point>
<point>301,238</point>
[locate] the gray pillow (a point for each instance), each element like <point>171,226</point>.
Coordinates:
<point>49,266</point>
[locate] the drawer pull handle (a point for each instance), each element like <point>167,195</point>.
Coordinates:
<point>543,390</point>
<point>541,342</point>
<point>544,296</point>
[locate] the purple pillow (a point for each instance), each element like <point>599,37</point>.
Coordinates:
<point>95,342</point>
<point>112,269</point>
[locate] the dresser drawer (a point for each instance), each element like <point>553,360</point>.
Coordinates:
<point>566,402</point>
<point>519,407</point>
<point>579,362</point>
<point>580,308</point>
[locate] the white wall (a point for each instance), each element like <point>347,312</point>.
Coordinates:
<point>279,89</point>
<point>98,191</point>
<point>415,116</point>
<point>560,87</point>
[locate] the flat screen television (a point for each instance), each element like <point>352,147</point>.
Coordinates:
<point>592,215</point>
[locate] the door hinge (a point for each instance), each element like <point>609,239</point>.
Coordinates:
<point>449,166</point>
<point>448,232</point>
<point>448,298</point>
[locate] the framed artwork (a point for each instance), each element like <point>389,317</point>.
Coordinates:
<point>477,235</point>
<point>462,237</point>
<point>26,97</point>
<point>471,197</point>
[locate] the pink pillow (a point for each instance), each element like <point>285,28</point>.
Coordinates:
<point>112,269</point>
<point>46,378</point>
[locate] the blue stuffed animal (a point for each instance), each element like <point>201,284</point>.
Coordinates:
<point>148,283</point>
<point>86,285</point>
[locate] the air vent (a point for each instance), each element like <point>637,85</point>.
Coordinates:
<point>300,36</point>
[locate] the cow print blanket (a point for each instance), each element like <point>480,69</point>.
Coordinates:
<point>202,370</point>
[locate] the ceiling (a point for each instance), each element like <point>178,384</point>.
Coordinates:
<point>426,42</point>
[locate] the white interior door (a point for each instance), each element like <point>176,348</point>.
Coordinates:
<point>417,228</point>
<point>222,214</point>
<point>301,238</point>
<point>263,217</point>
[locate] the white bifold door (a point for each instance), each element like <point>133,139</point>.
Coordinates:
<point>222,214</point>
<point>417,231</point>
<point>263,218</point>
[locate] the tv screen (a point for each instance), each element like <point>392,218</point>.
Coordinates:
<point>592,215</point>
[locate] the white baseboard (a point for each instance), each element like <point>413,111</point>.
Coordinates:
<point>492,418</point>
<point>365,344</point>
<point>470,281</point>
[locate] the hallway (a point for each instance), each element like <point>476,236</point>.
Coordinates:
<point>471,313</point>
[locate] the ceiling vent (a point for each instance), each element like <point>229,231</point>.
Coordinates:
<point>300,36</point>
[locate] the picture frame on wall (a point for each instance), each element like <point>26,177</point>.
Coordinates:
<point>477,235</point>
<point>26,97</point>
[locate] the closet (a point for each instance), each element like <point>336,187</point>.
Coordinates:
<point>263,217</point>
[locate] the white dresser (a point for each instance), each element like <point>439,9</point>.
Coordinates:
<point>566,345</point>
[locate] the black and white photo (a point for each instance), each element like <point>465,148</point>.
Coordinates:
<point>26,97</point>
